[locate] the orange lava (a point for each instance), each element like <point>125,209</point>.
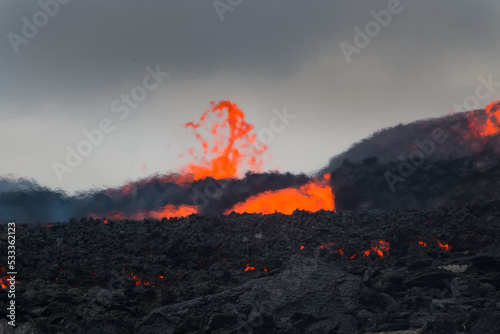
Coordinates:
<point>136,279</point>
<point>313,196</point>
<point>3,278</point>
<point>380,247</point>
<point>232,150</point>
<point>167,211</point>
<point>491,126</point>
<point>443,245</point>
<point>232,146</point>
<point>328,245</point>
<point>249,268</point>
<point>143,281</point>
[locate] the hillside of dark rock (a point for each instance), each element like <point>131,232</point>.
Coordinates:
<point>426,185</point>
<point>449,137</point>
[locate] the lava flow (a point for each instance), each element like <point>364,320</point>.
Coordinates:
<point>313,196</point>
<point>490,126</point>
<point>381,248</point>
<point>443,245</point>
<point>242,147</point>
<point>232,150</point>
<point>167,211</point>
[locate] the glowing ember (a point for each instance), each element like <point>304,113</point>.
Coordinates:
<point>313,196</point>
<point>381,248</point>
<point>3,278</point>
<point>328,245</point>
<point>143,281</point>
<point>136,279</point>
<point>443,245</point>
<point>421,243</point>
<point>224,157</point>
<point>249,268</point>
<point>490,126</point>
<point>302,247</point>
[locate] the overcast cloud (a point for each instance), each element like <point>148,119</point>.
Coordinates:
<point>263,55</point>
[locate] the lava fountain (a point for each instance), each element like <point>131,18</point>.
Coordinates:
<point>231,150</point>
<point>233,145</point>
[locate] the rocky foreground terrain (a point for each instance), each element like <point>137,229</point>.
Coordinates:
<point>427,271</point>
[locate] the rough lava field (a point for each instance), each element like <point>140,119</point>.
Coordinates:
<point>429,271</point>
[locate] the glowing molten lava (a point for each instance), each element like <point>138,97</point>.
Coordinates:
<point>443,245</point>
<point>380,247</point>
<point>3,278</point>
<point>329,245</point>
<point>167,211</point>
<point>232,150</point>
<point>249,268</point>
<point>232,145</point>
<point>312,196</point>
<point>154,282</point>
<point>490,126</point>
<point>422,243</point>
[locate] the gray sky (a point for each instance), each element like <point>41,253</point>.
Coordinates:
<point>263,55</point>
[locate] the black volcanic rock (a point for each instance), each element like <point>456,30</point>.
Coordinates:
<point>432,184</point>
<point>302,273</point>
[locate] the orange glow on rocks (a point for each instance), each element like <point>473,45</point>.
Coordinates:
<point>490,126</point>
<point>167,211</point>
<point>3,278</point>
<point>443,245</point>
<point>330,245</point>
<point>249,268</point>
<point>154,282</point>
<point>380,247</point>
<point>312,196</point>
